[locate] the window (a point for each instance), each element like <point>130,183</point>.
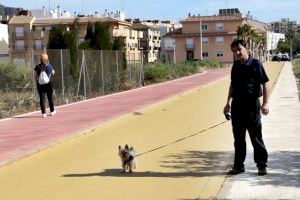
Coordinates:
<point>190,43</point>
<point>48,28</point>
<point>20,31</point>
<point>220,54</point>
<point>234,37</point>
<point>205,54</point>
<point>38,44</point>
<point>190,55</point>
<point>220,40</point>
<point>20,44</point>
<point>204,27</point>
<point>205,41</point>
<point>219,26</point>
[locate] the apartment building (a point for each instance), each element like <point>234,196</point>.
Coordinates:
<point>273,39</point>
<point>168,48</point>
<point>284,26</point>
<point>46,13</point>
<point>213,41</point>
<point>3,41</point>
<point>150,41</point>
<point>28,33</point>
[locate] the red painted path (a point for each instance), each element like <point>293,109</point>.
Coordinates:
<point>23,135</point>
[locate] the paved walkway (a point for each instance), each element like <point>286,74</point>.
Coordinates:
<point>183,153</point>
<point>281,135</point>
<point>26,134</point>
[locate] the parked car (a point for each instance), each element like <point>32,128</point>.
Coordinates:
<point>276,58</point>
<point>285,57</point>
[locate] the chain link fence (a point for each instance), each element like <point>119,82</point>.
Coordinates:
<point>88,74</point>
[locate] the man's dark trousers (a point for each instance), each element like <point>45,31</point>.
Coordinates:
<point>245,115</point>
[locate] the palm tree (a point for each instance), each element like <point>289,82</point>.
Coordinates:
<point>251,40</point>
<point>242,31</point>
<point>290,35</point>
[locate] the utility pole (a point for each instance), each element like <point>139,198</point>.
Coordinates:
<point>174,52</point>
<point>201,56</point>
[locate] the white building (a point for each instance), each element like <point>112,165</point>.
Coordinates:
<point>119,15</point>
<point>46,13</point>
<point>272,40</point>
<point>3,41</point>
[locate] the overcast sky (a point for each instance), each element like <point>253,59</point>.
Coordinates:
<point>262,10</point>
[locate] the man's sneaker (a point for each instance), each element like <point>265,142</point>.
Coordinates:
<point>262,171</point>
<point>53,113</point>
<point>44,115</point>
<point>236,170</point>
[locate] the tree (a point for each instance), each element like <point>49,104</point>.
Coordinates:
<point>243,31</point>
<point>88,39</point>
<point>118,44</point>
<point>296,44</point>
<point>99,38</point>
<point>102,37</point>
<point>283,47</point>
<point>260,41</point>
<point>72,44</point>
<point>57,38</point>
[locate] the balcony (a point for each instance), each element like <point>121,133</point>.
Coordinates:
<point>19,35</point>
<point>20,47</point>
<point>140,35</point>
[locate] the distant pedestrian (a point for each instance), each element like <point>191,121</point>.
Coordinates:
<point>248,83</point>
<point>43,73</point>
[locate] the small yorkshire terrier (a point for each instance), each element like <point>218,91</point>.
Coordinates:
<point>128,159</point>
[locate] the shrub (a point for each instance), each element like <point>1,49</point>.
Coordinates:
<point>15,89</point>
<point>158,72</point>
<point>296,65</point>
<point>14,77</point>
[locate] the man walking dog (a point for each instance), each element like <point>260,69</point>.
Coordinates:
<point>248,83</point>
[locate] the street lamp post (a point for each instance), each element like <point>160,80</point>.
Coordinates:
<point>201,56</point>
<point>174,52</point>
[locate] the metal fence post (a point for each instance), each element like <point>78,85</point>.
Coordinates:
<point>129,65</point>
<point>102,72</point>
<point>33,73</point>
<point>84,73</point>
<point>79,80</point>
<point>62,75</point>
<point>142,69</point>
<point>117,62</point>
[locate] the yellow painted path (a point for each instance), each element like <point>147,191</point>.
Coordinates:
<point>184,147</point>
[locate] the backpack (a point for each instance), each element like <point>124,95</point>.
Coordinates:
<point>43,78</point>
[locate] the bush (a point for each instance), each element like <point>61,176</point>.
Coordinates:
<point>159,72</point>
<point>15,90</point>
<point>14,77</point>
<point>296,65</point>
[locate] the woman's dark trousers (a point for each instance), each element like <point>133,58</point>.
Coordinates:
<point>42,90</point>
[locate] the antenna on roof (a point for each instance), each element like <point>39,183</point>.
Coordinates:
<point>123,4</point>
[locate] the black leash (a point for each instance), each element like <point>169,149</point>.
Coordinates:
<point>181,139</point>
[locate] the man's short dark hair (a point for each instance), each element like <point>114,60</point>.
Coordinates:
<point>238,42</point>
